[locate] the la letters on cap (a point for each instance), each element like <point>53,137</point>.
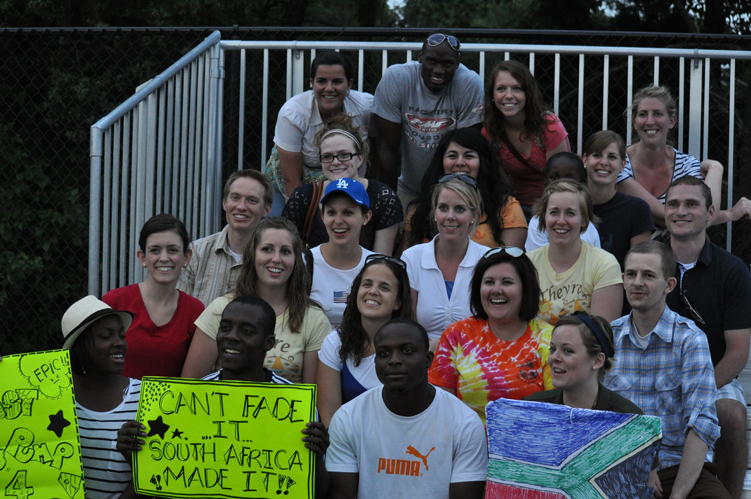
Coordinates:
<point>226,439</point>
<point>40,453</point>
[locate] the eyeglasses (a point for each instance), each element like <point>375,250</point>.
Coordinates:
<point>342,157</point>
<point>438,38</point>
<point>696,315</point>
<point>462,177</point>
<point>378,256</point>
<point>511,251</point>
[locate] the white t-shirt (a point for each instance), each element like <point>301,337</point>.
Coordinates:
<point>537,239</point>
<point>332,286</point>
<point>402,97</point>
<point>364,373</point>
<point>418,456</point>
<point>106,472</point>
<point>299,120</point>
<point>435,310</point>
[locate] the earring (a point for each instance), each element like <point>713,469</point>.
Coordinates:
<point>185,265</point>
<point>144,265</point>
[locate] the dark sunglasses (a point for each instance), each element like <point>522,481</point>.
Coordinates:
<point>462,177</point>
<point>438,38</point>
<point>695,315</point>
<point>377,256</point>
<point>511,251</point>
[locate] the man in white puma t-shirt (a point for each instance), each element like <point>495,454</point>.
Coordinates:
<point>406,438</point>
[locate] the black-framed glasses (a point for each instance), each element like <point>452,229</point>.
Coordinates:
<point>462,177</point>
<point>511,251</point>
<point>379,256</point>
<point>695,315</point>
<point>342,157</point>
<point>438,38</point>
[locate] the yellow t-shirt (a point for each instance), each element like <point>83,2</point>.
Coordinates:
<point>569,291</point>
<point>286,358</point>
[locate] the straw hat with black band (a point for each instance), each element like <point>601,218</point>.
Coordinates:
<point>85,312</point>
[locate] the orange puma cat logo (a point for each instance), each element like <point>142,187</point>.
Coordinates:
<point>414,452</point>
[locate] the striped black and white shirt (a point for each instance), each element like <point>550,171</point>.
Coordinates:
<point>271,377</point>
<point>685,164</point>
<point>106,473</point>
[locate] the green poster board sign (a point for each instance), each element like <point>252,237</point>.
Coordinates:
<point>40,454</point>
<point>224,439</point>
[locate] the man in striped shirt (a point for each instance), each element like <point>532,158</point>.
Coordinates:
<point>217,258</point>
<point>663,365</point>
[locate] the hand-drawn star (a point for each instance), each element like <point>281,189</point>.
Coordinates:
<point>177,433</point>
<point>157,427</point>
<point>58,423</point>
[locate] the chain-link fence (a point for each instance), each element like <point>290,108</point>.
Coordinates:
<point>55,83</point>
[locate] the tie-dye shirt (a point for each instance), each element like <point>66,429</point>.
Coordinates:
<point>481,367</point>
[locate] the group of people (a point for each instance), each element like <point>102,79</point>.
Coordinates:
<point>498,265</point>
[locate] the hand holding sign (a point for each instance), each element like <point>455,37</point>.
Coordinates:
<point>224,439</point>
<point>128,439</point>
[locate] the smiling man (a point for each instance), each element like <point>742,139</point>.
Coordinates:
<point>217,258</point>
<point>714,289</point>
<point>663,365</point>
<point>415,104</point>
<point>406,439</point>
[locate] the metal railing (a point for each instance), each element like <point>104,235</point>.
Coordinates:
<point>167,163</point>
<point>156,152</point>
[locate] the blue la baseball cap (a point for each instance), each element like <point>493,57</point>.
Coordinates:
<point>349,186</point>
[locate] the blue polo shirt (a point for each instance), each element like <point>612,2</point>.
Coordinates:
<point>719,288</point>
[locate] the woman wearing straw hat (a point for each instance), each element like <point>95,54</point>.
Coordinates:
<point>95,336</point>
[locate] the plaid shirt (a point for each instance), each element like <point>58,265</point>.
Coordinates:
<point>212,270</point>
<point>672,378</point>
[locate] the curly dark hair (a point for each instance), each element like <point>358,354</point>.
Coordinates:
<point>492,183</point>
<point>353,336</point>
<point>298,285</point>
<point>534,108</point>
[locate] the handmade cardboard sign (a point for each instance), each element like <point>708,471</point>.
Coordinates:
<point>550,451</point>
<point>40,454</point>
<point>224,439</point>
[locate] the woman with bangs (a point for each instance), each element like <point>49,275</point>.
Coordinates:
<point>524,133</point>
<point>466,151</point>
<point>501,351</point>
<point>380,292</point>
<point>440,270</point>
<point>273,269</point>
<point>574,275</point>
<point>624,220</point>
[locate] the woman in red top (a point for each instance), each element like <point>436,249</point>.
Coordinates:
<point>523,132</point>
<point>163,317</point>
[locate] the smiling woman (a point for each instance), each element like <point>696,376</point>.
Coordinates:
<point>502,350</point>
<point>380,292</point>
<point>342,151</point>
<point>574,275</point>
<point>295,158</point>
<point>95,336</point>
<point>523,132</point>
<point>272,269</point>
<point>440,270</point>
<point>163,317</point>
<point>346,209</point>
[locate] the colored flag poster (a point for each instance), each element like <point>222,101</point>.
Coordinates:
<point>548,451</point>
<point>226,439</point>
<point>40,454</point>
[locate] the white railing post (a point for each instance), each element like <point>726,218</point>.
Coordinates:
<point>694,108</point>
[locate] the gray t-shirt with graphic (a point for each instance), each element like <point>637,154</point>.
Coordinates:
<point>402,97</point>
